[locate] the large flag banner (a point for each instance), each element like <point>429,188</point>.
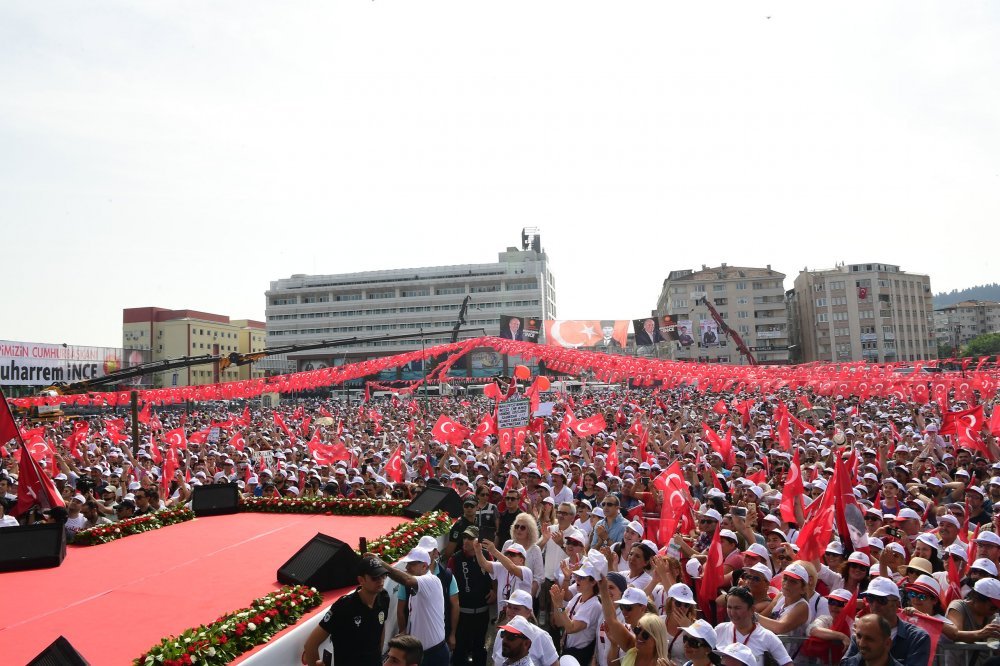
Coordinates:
<point>600,335</point>
<point>685,333</point>
<point>709,333</point>
<point>519,328</point>
<point>647,332</point>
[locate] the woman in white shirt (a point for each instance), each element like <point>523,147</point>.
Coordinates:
<point>579,619</point>
<point>509,571</point>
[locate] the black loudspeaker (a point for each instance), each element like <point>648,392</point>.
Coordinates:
<point>435,498</point>
<point>32,547</point>
<point>324,563</point>
<point>215,499</point>
<point>60,653</point>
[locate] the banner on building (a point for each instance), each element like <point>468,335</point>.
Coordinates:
<point>42,364</point>
<point>647,332</point>
<point>525,329</point>
<point>685,334</point>
<point>668,327</point>
<point>604,335</point>
<point>709,333</point>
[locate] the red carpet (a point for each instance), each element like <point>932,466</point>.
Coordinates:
<point>115,600</point>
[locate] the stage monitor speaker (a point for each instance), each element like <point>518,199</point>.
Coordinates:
<point>324,562</point>
<point>435,498</point>
<point>215,500</point>
<point>60,653</point>
<point>32,547</point>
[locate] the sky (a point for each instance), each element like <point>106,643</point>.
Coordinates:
<point>185,154</point>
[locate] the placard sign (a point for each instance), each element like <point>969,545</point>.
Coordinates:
<point>513,414</point>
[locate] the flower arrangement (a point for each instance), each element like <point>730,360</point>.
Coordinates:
<point>233,634</point>
<point>403,538</point>
<point>151,521</point>
<point>336,506</point>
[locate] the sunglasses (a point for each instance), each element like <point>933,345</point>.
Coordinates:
<point>511,499</point>
<point>836,604</point>
<point>641,633</point>
<point>694,642</point>
<point>607,504</point>
<point>510,635</point>
<point>873,519</point>
<point>919,596</point>
<point>705,522</point>
<point>752,579</point>
<point>875,600</point>
<point>563,513</point>
<point>520,527</point>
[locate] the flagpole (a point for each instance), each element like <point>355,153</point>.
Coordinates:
<point>135,424</point>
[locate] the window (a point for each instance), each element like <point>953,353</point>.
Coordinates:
<point>742,314</point>
<point>721,301</point>
<point>821,302</point>
<point>409,293</point>
<point>741,286</point>
<point>718,287</point>
<point>484,288</point>
<point>742,300</point>
<point>348,297</point>
<point>381,294</point>
<point>822,317</point>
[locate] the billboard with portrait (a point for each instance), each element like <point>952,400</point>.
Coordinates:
<point>647,332</point>
<point>709,333</point>
<point>685,335</point>
<point>519,328</point>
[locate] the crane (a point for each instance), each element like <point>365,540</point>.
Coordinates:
<point>737,340</point>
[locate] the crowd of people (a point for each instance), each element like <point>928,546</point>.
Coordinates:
<point>558,556</point>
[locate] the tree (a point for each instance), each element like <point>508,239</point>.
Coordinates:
<point>983,345</point>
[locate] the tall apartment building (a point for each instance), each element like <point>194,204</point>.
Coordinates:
<point>311,308</point>
<point>864,312</point>
<point>170,334</point>
<point>955,325</point>
<point>751,301</point>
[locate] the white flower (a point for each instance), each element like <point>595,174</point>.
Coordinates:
<point>211,651</point>
<point>267,619</point>
<point>251,626</point>
<point>187,640</point>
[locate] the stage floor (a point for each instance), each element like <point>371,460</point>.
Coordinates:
<point>115,600</point>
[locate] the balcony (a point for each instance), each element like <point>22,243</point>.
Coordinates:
<point>888,336</point>
<point>869,337</point>
<point>770,334</point>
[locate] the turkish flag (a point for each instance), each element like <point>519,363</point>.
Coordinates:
<point>411,430</point>
<point>449,431</point>
<point>544,458</point>
<point>304,426</point>
<point>8,428</point>
<point>238,442</point>
<point>169,469</point>
<point>245,418</point>
<point>969,419</point>
<point>590,426</point>
<point>994,422</point>
<point>323,411</point>
<point>783,435</point>
<point>954,589</point>
<point>144,413</point>
<point>758,477</point>
<point>676,507</point>
<point>175,439</point>
<point>394,466</point>
<point>743,409</point>
<point>327,454</point>
<point>613,458</point>
<point>720,407</point>
<point>199,437</point>
<point>485,428</point>
<point>793,488</point>
<point>575,333</point>
<point>280,422</point>
<point>931,625</point>
<point>33,485</point>
<point>724,447</point>
<point>505,439</point>
<point>711,578</point>
<point>817,532</point>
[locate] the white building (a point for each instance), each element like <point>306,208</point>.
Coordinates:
<point>956,324</point>
<point>310,308</point>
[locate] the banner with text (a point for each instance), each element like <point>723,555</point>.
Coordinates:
<point>42,364</point>
<point>519,328</point>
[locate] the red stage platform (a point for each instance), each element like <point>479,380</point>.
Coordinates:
<point>115,600</point>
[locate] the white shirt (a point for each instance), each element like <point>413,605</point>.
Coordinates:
<point>542,649</point>
<point>8,521</point>
<point>553,554</point>
<point>591,614</point>
<point>564,495</point>
<point>427,611</point>
<point>508,582</point>
<point>603,642</point>
<point>759,641</point>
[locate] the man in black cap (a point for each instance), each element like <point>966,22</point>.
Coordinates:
<point>475,595</point>
<point>467,519</point>
<point>354,623</point>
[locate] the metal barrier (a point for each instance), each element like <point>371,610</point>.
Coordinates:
<point>948,653</point>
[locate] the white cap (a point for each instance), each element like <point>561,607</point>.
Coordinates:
<point>515,548</point>
<point>759,550</point>
<point>859,557</point>
<point>631,596</point>
<point>986,565</point>
<point>587,569</point>
<point>988,537</point>
<point>907,513</point>
<point>637,527</point>
<point>950,519</point>
<point>797,571</point>
<point>428,543</point>
<point>712,514</point>
<point>417,555</point>
<point>521,598</point>
<point>988,587</point>
<point>958,549</point>
<point>518,625</point>
<point>703,630</point>
<point>883,587</point>
<point>840,594</point>
<point>836,548</point>
<point>693,568</point>
<point>763,570</point>
<point>740,653</point>
<point>681,592</point>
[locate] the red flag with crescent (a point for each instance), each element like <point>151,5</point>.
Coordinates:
<point>793,489</point>
<point>175,438</point>
<point>394,466</point>
<point>590,426</point>
<point>449,431</point>
<point>485,428</point>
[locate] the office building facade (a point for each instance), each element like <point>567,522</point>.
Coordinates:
<point>955,325</point>
<point>751,301</point>
<point>425,301</point>
<point>864,312</point>
<point>172,334</point>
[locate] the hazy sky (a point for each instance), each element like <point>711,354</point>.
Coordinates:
<point>185,154</point>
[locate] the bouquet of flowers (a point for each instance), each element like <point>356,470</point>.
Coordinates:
<point>151,521</point>
<point>336,506</point>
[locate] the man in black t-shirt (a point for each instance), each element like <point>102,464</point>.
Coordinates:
<point>467,519</point>
<point>354,623</point>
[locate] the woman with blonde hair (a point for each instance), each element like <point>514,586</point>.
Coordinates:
<point>651,641</point>
<point>524,531</point>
